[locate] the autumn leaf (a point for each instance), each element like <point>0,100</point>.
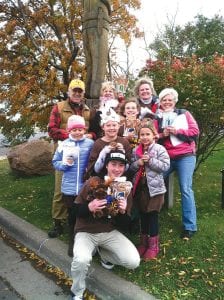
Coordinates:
<point>41,50</point>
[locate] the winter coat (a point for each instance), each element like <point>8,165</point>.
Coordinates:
<point>59,117</point>
<point>72,179</point>
<point>158,163</point>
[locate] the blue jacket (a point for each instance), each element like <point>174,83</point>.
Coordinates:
<point>72,179</point>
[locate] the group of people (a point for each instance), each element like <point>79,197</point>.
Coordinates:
<point>112,159</point>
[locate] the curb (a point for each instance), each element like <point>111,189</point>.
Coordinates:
<point>103,283</point>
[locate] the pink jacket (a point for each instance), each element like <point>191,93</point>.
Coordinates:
<point>184,141</point>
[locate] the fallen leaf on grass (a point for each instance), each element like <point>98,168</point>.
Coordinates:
<point>167,274</point>
<point>185,294</point>
<point>182,261</point>
<point>196,270</point>
<point>209,282</point>
<point>181,273</point>
<point>209,259</point>
<point>195,276</point>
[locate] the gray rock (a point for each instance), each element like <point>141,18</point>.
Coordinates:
<point>31,158</point>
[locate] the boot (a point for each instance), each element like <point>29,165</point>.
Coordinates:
<point>153,248</point>
<point>143,244</point>
<point>56,230</point>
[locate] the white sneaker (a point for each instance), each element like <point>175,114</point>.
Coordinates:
<point>107,265</point>
<point>76,297</point>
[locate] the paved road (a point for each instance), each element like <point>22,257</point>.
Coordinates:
<point>19,280</point>
<point>3,149</point>
<point>7,292</point>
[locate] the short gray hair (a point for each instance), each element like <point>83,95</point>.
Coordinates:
<point>168,91</point>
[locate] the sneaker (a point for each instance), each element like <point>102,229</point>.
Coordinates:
<point>74,297</point>
<point>106,264</point>
<point>187,234</point>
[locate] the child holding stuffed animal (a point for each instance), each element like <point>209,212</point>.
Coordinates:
<point>71,157</point>
<point>96,224</point>
<point>150,160</point>
<point>110,123</point>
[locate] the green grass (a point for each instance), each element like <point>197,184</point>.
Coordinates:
<point>28,197</point>
<point>191,269</point>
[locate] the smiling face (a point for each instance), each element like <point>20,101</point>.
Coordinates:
<point>167,103</point>
<point>146,137</point>
<point>111,129</point>
<point>115,168</point>
<point>108,93</point>
<point>76,95</point>
<point>131,110</point>
<point>145,91</point>
<point>77,133</point>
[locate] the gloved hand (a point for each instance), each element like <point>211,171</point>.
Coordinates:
<point>145,111</point>
<point>101,158</point>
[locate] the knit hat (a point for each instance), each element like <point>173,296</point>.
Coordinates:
<point>109,115</point>
<point>77,84</point>
<point>75,121</point>
<point>116,155</point>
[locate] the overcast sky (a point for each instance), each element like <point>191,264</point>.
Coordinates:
<point>154,14</point>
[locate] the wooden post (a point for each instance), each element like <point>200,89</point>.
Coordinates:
<point>92,103</point>
<point>169,181</point>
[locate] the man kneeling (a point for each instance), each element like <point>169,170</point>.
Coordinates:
<point>100,207</point>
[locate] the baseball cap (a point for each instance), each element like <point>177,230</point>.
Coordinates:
<point>116,155</point>
<point>77,84</point>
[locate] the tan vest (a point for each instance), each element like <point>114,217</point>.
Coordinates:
<point>66,111</point>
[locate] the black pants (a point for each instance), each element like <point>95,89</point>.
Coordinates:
<point>150,223</point>
<point>69,201</point>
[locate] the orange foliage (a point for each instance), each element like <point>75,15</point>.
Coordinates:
<point>41,50</point>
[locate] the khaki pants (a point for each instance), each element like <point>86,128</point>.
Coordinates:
<point>59,211</point>
<point>113,247</point>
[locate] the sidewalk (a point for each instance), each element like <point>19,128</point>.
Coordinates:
<point>103,283</point>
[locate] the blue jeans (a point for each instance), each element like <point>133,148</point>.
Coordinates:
<point>184,168</point>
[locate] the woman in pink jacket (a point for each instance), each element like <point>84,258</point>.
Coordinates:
<point>178,132</point>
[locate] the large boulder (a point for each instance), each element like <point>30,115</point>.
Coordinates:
<point>32,158</point>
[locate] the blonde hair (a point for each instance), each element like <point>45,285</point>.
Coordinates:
<point>141,81</point>
<point>107,85</point>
